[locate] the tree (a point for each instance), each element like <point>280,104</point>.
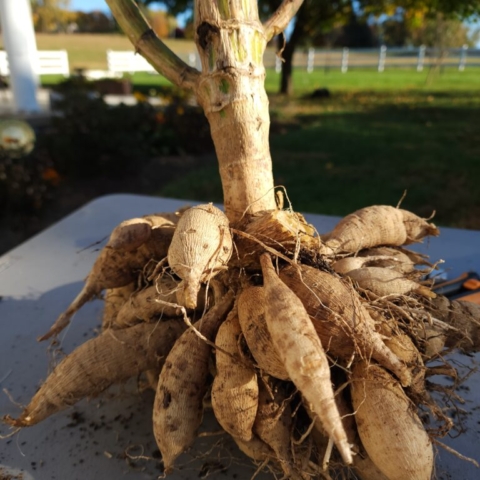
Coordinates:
<point>417,26</point>
<point>162,23</point>
<point>51,15</point>
<point>94,22</point>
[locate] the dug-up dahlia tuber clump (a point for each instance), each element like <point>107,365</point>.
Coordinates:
<point>291,353</point>
<point>313,350</point>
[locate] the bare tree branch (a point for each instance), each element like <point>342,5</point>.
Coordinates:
<point>146,42</point>
<point>279,21</point>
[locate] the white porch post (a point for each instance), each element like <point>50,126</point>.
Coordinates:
<point>21,47</point>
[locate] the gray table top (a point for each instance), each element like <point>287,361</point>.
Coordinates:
<point>38,280</point>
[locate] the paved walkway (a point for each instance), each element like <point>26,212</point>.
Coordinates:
<point>7,108</point>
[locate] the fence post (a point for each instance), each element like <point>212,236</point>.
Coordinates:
<point>463,58</point>
<point>278,64</point>
<point>421,58</point>
<point>310,60</point>
<point>344,67</point>
<point>381,58</point>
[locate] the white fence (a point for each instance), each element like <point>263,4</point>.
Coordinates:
<point>380,59</point>
<point>48,62</point>
<point>345,59</point>
<point>119,62</point>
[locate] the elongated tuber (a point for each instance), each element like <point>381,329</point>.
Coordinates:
<point>389,428</point>
<point>338,316</point>
<point>375,226</point>
<point>112,357</point>
<point>235,387</point>
<point>117,267</point>
<point>178,407</point>
<point>300,349</point>
<point>383,282</point>
<point>251,314</point>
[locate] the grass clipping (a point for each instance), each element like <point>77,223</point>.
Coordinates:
<point>315,349</point>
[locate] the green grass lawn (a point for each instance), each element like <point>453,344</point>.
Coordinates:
<point>376,136</point>
<point>89,51</point>
<point>393,79</point>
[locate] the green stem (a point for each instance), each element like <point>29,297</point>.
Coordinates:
<point>279,21</point>
<point>146,42</point>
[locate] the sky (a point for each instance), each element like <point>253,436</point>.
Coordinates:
<point>88,5</point>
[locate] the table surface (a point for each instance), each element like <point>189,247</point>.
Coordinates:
<point>38,280</point>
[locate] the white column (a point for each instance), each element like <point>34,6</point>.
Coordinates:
<point>21,47</point>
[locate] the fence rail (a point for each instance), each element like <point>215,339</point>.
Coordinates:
<point>381,59</point>
<point>47,62</point>
<point>345,59</point>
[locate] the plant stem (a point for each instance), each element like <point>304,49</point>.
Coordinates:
<point>145,41</point>
<point>231,42</point>
<point>279,21</point>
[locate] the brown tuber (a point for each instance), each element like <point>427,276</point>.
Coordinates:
<point>389,428</point>
<point>251,314</point>
<point>302,353</point>
<point>112,357</point>
<point>340,319</point>
<point>235,387</point>
<point>201,247</point>
<point>120,264</point>
<point>178,407</point>
<point>375,226</point>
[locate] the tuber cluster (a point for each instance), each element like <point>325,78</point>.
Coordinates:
<point>314,350</point>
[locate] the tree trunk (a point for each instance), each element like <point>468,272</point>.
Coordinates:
<point>286,81</point>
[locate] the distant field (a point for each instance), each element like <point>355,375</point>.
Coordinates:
<point>89,51</point>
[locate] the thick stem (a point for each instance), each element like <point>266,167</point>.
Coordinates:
<point>145,41</point>
<point>231,42</point>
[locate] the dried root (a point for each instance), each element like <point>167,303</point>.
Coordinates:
<point>316,350</point>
